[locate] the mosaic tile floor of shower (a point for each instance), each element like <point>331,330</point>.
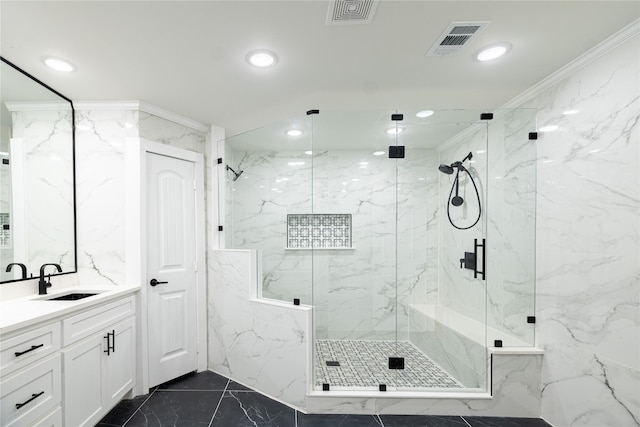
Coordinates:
<point>366,364</point>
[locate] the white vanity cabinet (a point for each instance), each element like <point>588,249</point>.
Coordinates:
<point>98,361</point>
<point>69,367</point>
<point>30,386</point>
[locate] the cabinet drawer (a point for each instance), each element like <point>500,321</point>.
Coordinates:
<point>19,351</point>
<point>29,395</point>
<point>96,320</point>
<point>54,419</point>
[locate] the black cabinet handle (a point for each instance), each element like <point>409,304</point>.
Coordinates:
<point>111,342</point>
<point>154,282</point>
<point>33,397</point>
<point>33,347</point>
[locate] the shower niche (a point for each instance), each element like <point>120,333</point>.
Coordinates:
<point>373,241</point>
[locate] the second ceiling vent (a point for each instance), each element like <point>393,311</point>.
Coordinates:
<point>456,36</point>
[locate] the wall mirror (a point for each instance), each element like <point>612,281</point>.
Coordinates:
<point>37,177</point>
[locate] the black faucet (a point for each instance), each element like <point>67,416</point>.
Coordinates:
<point>22,267</point>
<point>42,284</point>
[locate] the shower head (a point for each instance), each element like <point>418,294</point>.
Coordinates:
<point>236,175</point>
<point>446,169</point>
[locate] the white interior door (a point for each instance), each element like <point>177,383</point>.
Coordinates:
<point>171,268</point>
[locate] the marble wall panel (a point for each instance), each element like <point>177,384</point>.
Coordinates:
<point>588,231</point>
<point>265,346</point>
<point>354,291</point>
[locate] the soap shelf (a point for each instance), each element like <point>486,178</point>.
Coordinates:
<point>320,249</point>
<point>319,231</point>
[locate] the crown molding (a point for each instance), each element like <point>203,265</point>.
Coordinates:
<point>172,117</point>
<point>38,106</point>
<point>580,62</point>
<point>106,105</point>
<point>141,106</point>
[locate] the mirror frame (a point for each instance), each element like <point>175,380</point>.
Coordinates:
<point>73,171</point>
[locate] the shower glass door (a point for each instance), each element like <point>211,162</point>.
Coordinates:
<point>441,223</point>
<point>354,258</point>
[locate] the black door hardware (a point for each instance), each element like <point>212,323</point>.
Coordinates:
<point>111,342</point>
<point>470,260</point>
<point>154,282</point>
<point>33,347</point>
<point>33,397</point>
<point>482,245</point>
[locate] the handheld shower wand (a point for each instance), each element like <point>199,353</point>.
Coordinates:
<point>457,200</point>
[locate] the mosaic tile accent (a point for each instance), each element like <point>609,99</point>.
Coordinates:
<point>5,233</point>
<point>365,364</point>
<point>318,231</point>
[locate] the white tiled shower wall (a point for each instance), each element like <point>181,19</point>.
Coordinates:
<point>588,242</point>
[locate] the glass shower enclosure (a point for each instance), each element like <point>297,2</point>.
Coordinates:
<point>397,227</point>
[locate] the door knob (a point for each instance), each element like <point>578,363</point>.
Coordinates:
<point>154,282</point>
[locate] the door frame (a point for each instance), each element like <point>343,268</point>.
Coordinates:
<point>136,150</point>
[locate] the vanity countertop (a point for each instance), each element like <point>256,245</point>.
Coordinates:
<point>19,313</point>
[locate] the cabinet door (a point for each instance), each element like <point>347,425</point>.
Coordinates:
<point>83,367</point>
<point>120,363</point>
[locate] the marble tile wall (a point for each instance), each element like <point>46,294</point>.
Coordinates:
<point>588,233</point>
<point>511,226</point>
<point>263,345</point>
<point>100,176</point>
<point>355,293</point>
<point>458,289</point>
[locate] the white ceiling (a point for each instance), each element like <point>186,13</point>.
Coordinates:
<point>188,57</point>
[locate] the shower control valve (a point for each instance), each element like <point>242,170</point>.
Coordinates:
<point>469,261</point>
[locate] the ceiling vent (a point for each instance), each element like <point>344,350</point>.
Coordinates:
<point>457,35</point>
<point>351,12</point>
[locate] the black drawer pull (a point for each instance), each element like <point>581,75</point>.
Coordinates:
<point>33,347</point>
<point>111,342</point>
<point>33,397</point>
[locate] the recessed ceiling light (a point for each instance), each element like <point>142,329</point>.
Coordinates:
<point>308,153</point>
<point>492,51</point>
<point>58,64</point>
<point>262,58</point>
<point>378,153</point>
<point>570,112</point>
<point>294,132</point>
<point>549,128</point>
<point>424,113</point>
<point>296,163</point>
<point>394,131</point>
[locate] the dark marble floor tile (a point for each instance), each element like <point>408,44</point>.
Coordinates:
<point>205,380</point>
<point>422,421</point>
<point>177,408</point>
<point>506,422</point>
<point>122,412</point>
<point>234,386</point>
<point>337,420</point>
<point>245,408</point>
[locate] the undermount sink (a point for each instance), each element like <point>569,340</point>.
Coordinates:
<point>72,296</point>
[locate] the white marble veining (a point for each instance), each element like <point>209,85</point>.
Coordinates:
<point>265,345</point>
<point>100,188</point>
<point>355,293</point>
<point>588,232</point>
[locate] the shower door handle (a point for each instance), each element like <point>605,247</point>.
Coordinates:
<point>477,245</point>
